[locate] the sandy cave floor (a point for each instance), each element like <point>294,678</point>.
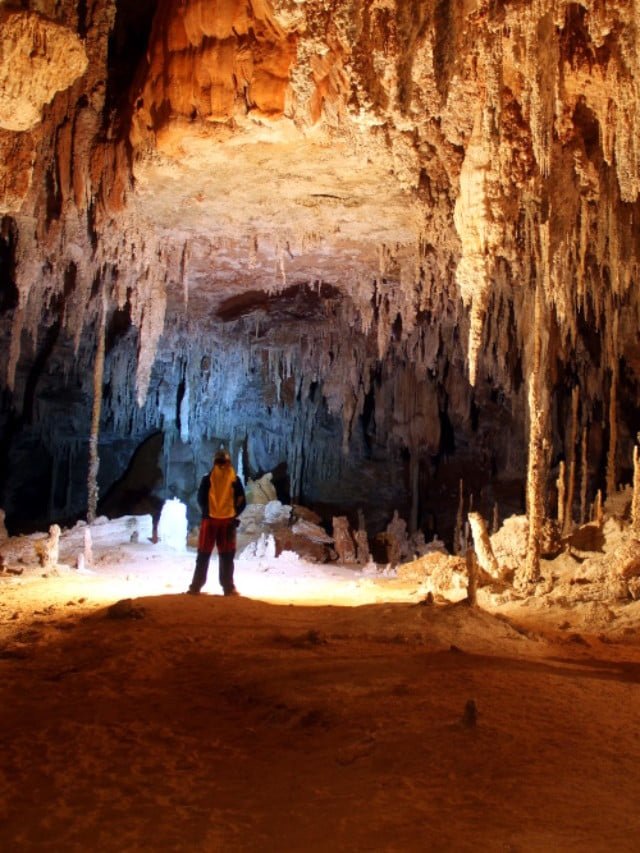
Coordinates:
<point>320,711</point>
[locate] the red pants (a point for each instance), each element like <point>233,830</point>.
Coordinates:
<point>220,532</point>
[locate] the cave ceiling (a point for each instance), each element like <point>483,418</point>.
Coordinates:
<point>364,196</point>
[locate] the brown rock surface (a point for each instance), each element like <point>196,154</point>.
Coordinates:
<point>38,59</point>
<point>626,559</point>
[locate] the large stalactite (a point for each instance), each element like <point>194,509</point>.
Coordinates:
<point>318,232</point>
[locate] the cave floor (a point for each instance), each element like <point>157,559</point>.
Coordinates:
<point>279,722</point>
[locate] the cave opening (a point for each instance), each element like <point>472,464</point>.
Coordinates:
<point>140,489</point>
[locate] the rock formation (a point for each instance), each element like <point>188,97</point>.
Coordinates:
<point>319,233</point>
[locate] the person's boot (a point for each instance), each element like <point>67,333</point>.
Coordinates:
<point>200,573</point>
<point>225,564</point>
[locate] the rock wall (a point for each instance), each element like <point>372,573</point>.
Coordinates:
<point>318,233</point>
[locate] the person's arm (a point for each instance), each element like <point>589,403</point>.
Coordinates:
<point>203,496</point>
<point>239,498</point>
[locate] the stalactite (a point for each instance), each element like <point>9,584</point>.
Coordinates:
<point>17,326</point>
<point>96,409</point>
<point>149,310</point>
<point>477,228</point>
<point>541,62</point>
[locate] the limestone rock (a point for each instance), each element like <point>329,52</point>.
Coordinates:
<point>625,560</point>
<point>103,534</point>
<point>261,491</point>
<point>37,59</point>
<point>252,519</point>
<point>287,540</point>
<point>36,549</point>
<point>343,539</point>
<point>619,503</point>
<point>440,574</point>
<point>633,587</point>
<point>263,547</point>
<point>509,543</point>
<point>276,513</point>
<point>363,554</point>
<point>486,558</point>
<point>312,531</point>
<point>172,527</point>
<point>397,540</point>
<point>305,514</point>
<point>48,549</point>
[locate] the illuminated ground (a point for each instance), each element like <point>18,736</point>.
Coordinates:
<point>213,724</point>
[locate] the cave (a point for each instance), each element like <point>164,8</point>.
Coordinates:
<point>385,253</point>
<point>280,259</point>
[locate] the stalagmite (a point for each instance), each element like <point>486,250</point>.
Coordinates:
<point>571,451</point>
<point>597,515</point>
<point>344,544</point>
<point>415,492</point>
<point>47,549</point>
<point>536,466</point>
<point>635,502</point>
<point>613,436</point>
<point>584,476</point>
<point>482,545</point>
<point>94,459</point>
<point>560,486</point>
<point>398,544</point>
<point>472,574</point>
<point>88,548</point>
<point>363,553</point>
<point>458,534</point>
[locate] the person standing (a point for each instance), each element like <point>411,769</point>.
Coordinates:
<point>221,499</point>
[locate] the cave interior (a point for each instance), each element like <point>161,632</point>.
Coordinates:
<point>379,250</point>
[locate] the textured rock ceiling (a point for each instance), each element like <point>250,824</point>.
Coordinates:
<point>319,232</point>
<point>242,145</point>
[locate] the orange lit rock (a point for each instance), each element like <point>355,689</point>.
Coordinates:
<point>37,59</point>
<point>214,62</point>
